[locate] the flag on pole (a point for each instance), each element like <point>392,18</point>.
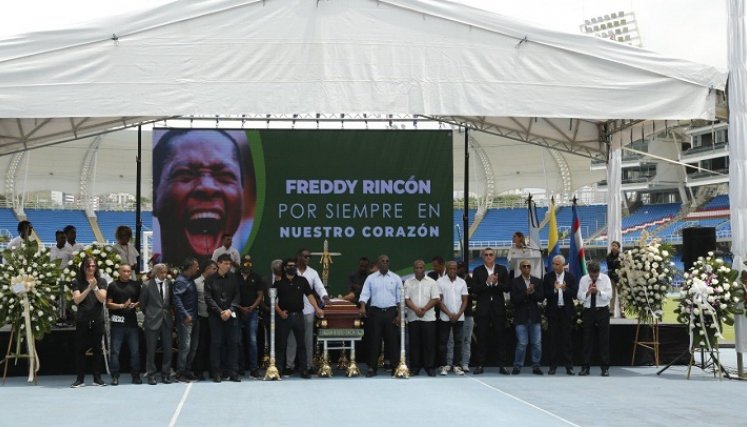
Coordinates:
<point>534,225</point>
<point>577,258</point>
<point>552,245</point>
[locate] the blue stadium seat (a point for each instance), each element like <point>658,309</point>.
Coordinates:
<point>47,221</point>
<point>110,220</point>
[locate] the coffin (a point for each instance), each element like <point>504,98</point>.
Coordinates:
<point>340,314</point>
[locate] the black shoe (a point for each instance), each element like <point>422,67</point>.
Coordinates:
<point>217,379</point>
<point>605,372</point>
<point>288,372</point>
<point>415,372</point>
<point>115,380</point>
<point>136,379</point>
<point>152,381</point>
<point>371,373</point>
<point>503,371</point>
<point>78,383</point>
<point>431,372</point>
<point>569,371</point>
<point>306,375</point>
<point>165,379</point>
<point>515,371</point>
<point>584,372</point>
<point>537,371</point>
<point>190,376</point>
<point>182,379</point>
<point>235,379</point>
<point>98,381</point>
<point>202,377</point>
<point>551,371</point>
<point>254,373</point>
<point>477,371</point>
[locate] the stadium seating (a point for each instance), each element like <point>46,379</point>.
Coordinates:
<point>46,222</point>
<point>718,202</point>
<point>8,222</point>
<point>110,220</point>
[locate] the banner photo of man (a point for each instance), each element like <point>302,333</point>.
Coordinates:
<point>275,191</point>
<point>203,190</point>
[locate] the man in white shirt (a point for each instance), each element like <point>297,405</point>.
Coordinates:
<point>453,302</point>
<point>72,233</point>
<point>226,248</point>
<point>61,250</point>
<point>24,234</point>
<point>595,290</point>
<point>309,313</point>
<point>421,296</point>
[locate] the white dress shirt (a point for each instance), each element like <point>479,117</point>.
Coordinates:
<point>559,278</point>
<point>235,257</point>
<point>65,254</point>
<point>604,290</point>
<point>420,292</point>
<point>316,285</point>
<point>451,295</point>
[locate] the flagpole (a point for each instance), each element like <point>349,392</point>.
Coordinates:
<point>465,215</point>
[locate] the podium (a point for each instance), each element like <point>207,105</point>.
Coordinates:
<point>533,255</point>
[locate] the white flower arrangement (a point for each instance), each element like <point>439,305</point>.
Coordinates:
<point>709,298</point>
<point>104,256</point>
<point>40,284</point>
<point>646,272</point>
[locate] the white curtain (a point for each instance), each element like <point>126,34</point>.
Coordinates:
<point>737,48</point>
<point>614,207</point>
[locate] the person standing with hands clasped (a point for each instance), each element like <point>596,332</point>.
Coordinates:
<point>89,294</point>
<point>291,290</point>
<point>595,290</point>
<point>526,294</point>
<point>489,282</point>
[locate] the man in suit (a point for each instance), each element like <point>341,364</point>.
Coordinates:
<point>155,302</point>
<point>526,294</point>
<point>489,282</point>
<point>560,288</point>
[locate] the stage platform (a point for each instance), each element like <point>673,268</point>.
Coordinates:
<point>56,349</point>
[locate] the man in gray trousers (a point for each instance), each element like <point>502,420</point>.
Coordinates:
<point>155,302</point>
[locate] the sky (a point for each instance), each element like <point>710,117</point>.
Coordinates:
<point>688,29</point>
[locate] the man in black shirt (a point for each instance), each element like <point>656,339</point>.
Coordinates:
<point>122,299</point>
<point>251,292</point>
<point>222,299</point>
<point>291,289</point>
<point>356,280</point>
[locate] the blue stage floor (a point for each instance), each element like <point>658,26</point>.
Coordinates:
<point>629,397</point>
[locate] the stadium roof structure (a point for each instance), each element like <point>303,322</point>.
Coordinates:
<point>426,58</point>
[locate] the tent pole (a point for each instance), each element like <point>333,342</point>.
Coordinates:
<point>465,214</point>
<point>138,191</point>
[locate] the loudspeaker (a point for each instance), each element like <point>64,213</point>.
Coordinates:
<point>697,242</point>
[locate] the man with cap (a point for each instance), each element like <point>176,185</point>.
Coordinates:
<point>251,293</point>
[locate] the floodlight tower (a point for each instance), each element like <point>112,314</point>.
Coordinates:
<point>619,26</point>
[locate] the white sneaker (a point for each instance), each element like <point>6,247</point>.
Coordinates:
<point>465,368</point>
<point>458,370</point>
<point>445,370</point>
<point>447,367</point>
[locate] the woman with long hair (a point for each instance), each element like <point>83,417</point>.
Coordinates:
<point>89,294</point>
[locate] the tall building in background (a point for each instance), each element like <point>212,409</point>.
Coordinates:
<point>618,26</point>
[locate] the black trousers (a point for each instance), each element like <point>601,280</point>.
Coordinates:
<point>295,323</point>
<point>422,344</point>
<point>380,325</point>
<point>561,347</point>
<point>487,325</point>
<point>88,335</point>
<point>202,355</point>
<point>444,329</point>
<point>224,341</point>
<point>597,325</point>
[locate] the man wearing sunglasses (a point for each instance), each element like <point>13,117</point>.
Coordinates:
<point>526,295</point>
<point>489,282</point>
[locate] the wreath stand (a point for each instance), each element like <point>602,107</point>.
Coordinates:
<point>653,344</point>
<point>708,359</point>
<point>18,354</point>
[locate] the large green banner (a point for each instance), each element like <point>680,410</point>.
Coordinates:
<point>365,192</point>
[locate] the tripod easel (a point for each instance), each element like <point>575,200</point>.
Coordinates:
<point>650,345</point>
<point>9,354</point>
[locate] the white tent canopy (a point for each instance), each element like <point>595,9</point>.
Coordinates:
<point>435,58</point>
